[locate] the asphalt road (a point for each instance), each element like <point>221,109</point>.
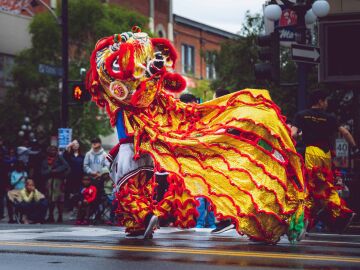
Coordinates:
<point>72,247</point>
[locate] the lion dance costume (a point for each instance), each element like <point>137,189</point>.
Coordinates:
<point>235,150</point>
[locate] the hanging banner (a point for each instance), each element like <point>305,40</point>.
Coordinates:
<point>287,26</point>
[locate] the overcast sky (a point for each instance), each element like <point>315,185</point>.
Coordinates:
<point>224,14</point>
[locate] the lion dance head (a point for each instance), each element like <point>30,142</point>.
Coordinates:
<point>130,69</point>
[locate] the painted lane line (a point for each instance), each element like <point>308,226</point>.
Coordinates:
<point>330,242</point>
<point>270,255</point>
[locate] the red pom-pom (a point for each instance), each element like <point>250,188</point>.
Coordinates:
<point>136,29</point>
<point>174,82</point>
<point>126,71</point>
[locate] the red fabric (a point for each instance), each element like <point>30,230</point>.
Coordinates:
<point>127,70</point>
<point>89,193</point>
<point>166,47</point>
<point>113,152</point>
<point>126,140</point>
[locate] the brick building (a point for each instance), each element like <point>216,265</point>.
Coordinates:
<point>196,43</point>
<point>15,17</point>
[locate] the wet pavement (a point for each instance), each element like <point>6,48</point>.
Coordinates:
<point>77,247</point>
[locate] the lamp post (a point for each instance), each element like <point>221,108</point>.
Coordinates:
<point>307,12</point>
<point>26,129</point>
<point>65,64</point>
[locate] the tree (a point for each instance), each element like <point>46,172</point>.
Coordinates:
<point>37,95</point>
<point>236,60</point>
<point>202,90</point>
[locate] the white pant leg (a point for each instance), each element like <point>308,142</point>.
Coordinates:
<point>124,163</point>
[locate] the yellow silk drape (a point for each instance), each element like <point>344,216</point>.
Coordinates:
<point>217,149</point>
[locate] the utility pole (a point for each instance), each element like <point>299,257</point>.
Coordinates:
<point>302,70</point>
<point>65,64</point>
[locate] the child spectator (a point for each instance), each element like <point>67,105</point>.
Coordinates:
<point>18,176</point>
<point>17,182</point>
<point>32,204</point>
<point>109,193</point>
<point>86,203</point>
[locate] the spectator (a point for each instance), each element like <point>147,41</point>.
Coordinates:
<point>10,159</point>
<point>18,176</point>
<point>54,170</point>
<point>95,160</point>
<point>24,152</point>
<point>188,98</point>
<point>3,183</point>
<point>86,203</point>
<point>34,165</point>
<point>17,183</point>
<point>3,148</point>
<point>221,92</point>
<point>75,159</point>
<point>32,204</point>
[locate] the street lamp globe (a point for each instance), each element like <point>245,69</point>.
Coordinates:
<point>272,12</point>
<point>24,127</point>
<point>27,119</point>
<point>310,17</point>
<point>21,133</point>
<point>321,8</point>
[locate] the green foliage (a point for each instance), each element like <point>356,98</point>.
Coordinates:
<point>202,90</point>
<point>237,58</point>
<point>37,95</point>
<point>235,61</point>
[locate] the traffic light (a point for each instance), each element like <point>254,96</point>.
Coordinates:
<point>79,92</point>
<point>269,54</point>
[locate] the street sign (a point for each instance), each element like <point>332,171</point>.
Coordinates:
<point>64,137</point>
<point>342,148</point>
<point>286,33</point>
<point>305,53</point>
<point>50,70</point>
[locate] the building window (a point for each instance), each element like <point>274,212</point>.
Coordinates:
<point>6,65</point>
<point>210,59</point>
<point>188,59</point>
<point>160,30</point>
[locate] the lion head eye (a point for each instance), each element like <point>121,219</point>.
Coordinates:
<point>115,65</point>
